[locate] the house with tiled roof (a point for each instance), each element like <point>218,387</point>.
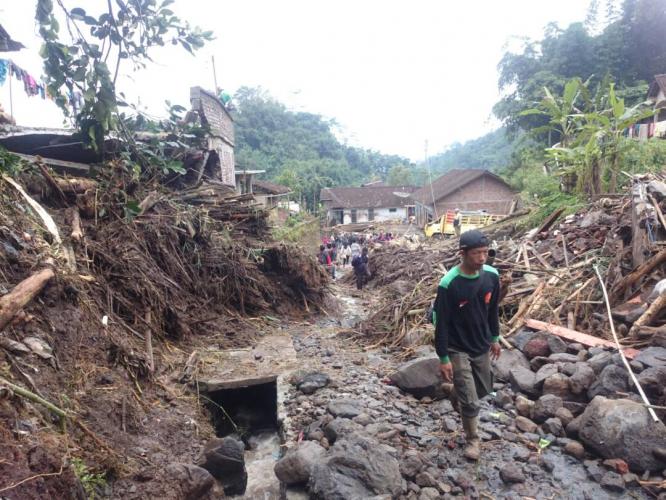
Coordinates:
<point>465,189</point>
<point>350,205</point>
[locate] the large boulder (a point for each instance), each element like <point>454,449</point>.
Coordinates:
<point>224,458</point>
<point>546,407</point>
<point>544,372</point>
<point>524,380</point>
<point>652,356</point>
<point>611,380</point>
<point>345,408</point>
<point>510,359</point>
<point>313,382</point>
<point>557,384</point>
<point>339,427</point>
<point>420,377</point>
<point>356,467</point>
<point>194,481</point>
<point>653,381</point>
<point>621,428</point>
<point>295,466</point>
<point>599,361</point>
<point>536,346</point>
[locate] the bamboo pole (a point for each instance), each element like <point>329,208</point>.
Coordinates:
<point>620,349</point>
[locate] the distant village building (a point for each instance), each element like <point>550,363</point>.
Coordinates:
<point>221,139</point>
<point>271,195</point>
<point>466,189</point>
<point>349,205</point>
<point>657,96</point>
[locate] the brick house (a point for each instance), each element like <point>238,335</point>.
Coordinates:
<point>221,139</point>
<point>349,205</point>
<point>466,189</point>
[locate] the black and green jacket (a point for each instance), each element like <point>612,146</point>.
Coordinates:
<point>466,314</point>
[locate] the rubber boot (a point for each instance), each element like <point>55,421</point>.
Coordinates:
<point>473,449</point>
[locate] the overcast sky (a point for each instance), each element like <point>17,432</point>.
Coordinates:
<point>392,73</point>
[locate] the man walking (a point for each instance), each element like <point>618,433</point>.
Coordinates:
<point>466,318</point>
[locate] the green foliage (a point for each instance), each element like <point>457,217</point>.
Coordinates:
<point>10,164</point>
<point>127,32</point>
<point>92,482</point>
<point>492,151</point>
<point>400,175</point>
<point>300,150</point>
<point>628,47</point>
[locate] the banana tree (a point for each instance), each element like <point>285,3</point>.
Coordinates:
<point>605,129</point>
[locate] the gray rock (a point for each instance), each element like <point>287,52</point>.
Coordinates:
<point>295,466</point>
<point>524,424</point>
<point>502,398</point>
<point>582,378</point>
<point>556,344</point>
<point>512,473</point>
<point>411,464</point>
<point>553,426</point>
<point>599,361</point>
<point>420,377</point>
<point>558,385</point>
<point>510,359</point>
<point>564,415</point>
<point>573,427</point>
<point>194,481</point>
<point>611,380</point>
<point>567,368</point>
<point>653,381</point>
<point>429,493</point>
<point>544,372</point>
<point>563,357</point>
<point>537,363</point>
<point>623,429</point>
<point>523,380</point>
<point>522,337</point>
<point>652,356</point>
<point>546,407</point>
<point>356,467</point>
<point>612,481</point>
<point>312,382</point>
<point>425,479</point>
<point>524,406</point>
<point>224,458</point>
<point>345,408</point>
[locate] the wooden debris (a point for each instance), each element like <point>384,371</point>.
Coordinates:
<point>22,294</point>
<point>574,336</point>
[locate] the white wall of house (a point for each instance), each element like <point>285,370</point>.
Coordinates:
<point>379,214</point>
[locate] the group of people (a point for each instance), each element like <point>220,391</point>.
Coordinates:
<point>343,251</point>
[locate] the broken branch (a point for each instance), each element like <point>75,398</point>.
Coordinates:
<point>22,294</point>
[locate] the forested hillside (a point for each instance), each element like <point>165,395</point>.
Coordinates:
<point>300,150</point>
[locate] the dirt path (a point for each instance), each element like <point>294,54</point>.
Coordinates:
<point>424,436</point>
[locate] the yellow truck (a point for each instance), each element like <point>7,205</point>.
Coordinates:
<point>468,220</point>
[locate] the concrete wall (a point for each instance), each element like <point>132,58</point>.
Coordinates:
<point>485,193</point>
<point>362,215</point>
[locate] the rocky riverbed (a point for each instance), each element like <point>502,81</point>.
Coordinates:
<point>351,432</point>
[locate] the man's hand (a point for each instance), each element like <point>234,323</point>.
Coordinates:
<point>447,371</point>
<point>495,350</point>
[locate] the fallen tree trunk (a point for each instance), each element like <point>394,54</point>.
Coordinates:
<point>632,278</point>
<point>75,185</point>
<point>649,315</point>
<point>574,336</point>
<point>22,294</point>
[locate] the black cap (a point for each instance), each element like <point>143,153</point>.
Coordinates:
<point>473,239</point>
